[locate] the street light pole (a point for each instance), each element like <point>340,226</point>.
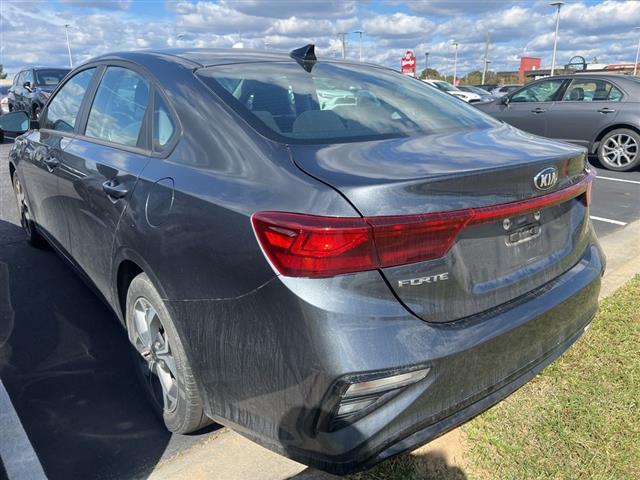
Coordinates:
<point>360,32</point>
<point>455,61</point>
<point>426,62</point>
<point>635,65</point>
<point>66,31</point>
<point>486,58</point>
<point>555,38</point>
<point>344,47</point>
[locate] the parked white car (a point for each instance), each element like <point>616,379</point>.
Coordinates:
<point>502,90</point>
<point>468,97</point>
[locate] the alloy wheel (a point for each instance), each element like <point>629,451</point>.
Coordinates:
<point>620,150</point>
<point>158,365</point>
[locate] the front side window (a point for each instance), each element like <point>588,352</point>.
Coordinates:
<point>28,77</point>
<point>163,127</point>
<point>589,90</point>
<point>63,109</point>
<point>538,92</point>
<point>336,102</point>
<point>119,107</point>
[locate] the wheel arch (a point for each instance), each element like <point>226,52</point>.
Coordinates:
<point>129,264</point>
<point>127,271</point>
<point>12,170</point>
<point>596,142</point>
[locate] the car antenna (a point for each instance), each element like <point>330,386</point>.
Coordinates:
<point>305,56</point>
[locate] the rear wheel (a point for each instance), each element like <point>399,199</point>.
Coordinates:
<point>161,363</point>
<point>28,225</point>
<point>620,150</point>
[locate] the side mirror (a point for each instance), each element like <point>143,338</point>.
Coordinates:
<point>505,99</point>
<point>27,85</point>
<point>15,123</point>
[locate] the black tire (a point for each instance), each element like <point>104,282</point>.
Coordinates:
<point>187,414</point>
<point>632,150</point>
<point>28,225</point>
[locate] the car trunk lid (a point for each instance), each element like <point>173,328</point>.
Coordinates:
<point>521,235</point>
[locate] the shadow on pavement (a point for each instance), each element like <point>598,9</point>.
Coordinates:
<point>65,362</point>
<point>423,466</point>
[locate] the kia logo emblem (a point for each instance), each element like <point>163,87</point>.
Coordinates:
<point>546,179</point>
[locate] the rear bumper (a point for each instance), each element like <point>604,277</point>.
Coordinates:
<point>266,362</point>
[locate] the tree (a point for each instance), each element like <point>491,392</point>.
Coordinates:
<point>431,74</point>
<point>3,74</point>
<point>472,78</point>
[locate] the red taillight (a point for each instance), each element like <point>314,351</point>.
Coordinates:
<point>312,246</point>
<point>299,245</point>
<point>415,238</point>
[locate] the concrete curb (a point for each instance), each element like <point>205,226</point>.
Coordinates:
<point>622,249</point>
<point>232,457</point>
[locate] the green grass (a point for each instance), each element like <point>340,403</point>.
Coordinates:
<point>579,419</point>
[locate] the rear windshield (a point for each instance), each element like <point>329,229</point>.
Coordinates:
<point>50,77</point>
<point>336,102</point>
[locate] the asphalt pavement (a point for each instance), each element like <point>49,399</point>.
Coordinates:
<point>64,358</point>
<point>65,364</point>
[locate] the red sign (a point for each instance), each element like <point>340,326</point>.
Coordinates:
<point>408,64</point>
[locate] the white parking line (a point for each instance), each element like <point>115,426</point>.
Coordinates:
<point>608,220</point>
<point>18,456</point>
<point>619,180</point>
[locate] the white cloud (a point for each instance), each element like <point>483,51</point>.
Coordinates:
<point>35,35</point>
<point>398,25</point>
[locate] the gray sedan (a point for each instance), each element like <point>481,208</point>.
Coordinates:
<point>600,112</point>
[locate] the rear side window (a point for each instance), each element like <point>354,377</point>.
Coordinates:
<point>588,90</point>
<point>543,91</point>
<point>163,126</point>
<point>50,77</point>
<point>119,107</point>
<point>336,102</point>
<point>64,107</point>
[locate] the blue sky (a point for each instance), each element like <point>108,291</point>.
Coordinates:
<point>32,32</point>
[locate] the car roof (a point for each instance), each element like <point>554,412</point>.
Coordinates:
<point>585,74</point>
<point>206,57</point>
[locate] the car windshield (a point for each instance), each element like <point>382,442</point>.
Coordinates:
<point>50,77</point>
<point>446,87</point>
<point>477,90</point>
<point>336,102</point>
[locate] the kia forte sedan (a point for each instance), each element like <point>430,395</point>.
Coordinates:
<point>340,282</point>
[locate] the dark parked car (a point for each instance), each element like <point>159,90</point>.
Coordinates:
<point>600,112</point>
<point>339,284</point>
<point>487,86</point>
<point>32,87</point>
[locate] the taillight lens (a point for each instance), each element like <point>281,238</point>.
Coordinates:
<point>300,245</point>
<point>312,246</point>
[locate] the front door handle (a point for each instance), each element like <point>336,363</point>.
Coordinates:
<point>52,162</point>
<point>114,190</point>
<point>606,110</point>
<point>538,110</point>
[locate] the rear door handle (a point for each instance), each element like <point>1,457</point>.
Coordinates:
<point>606,110</point>
<point>538,110</point>
<point>114,190</point>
